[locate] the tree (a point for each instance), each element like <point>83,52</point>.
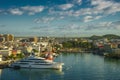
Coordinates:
<point>67,44</point>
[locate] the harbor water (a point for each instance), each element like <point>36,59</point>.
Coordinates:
<point>77,66</point>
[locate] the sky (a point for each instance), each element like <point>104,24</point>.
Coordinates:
<point>59,18</point>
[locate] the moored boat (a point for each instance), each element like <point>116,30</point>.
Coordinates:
<point>36,62</point>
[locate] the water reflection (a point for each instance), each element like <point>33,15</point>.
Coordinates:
<point>77,67</point>
<point>0,73</point>
<point>29,74</point>
<point>112,61</point>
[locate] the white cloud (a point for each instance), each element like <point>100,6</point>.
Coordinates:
<point>101,4</point>
<point>33,9</point>
<point>114,8</point>
<point>51,10</point>
<point>47,19</point>
<point>44,20</point>
<point>98,17</point>
<point>104,26</point>
<point>88,18</point>
<point>61,17</point>
<point>116,25</point>
<point>100,7</point>
<point>46,29</point>
<point>91,18</point>
<point>30,10</point>
<point>62,13</point>
<point>66,13</point>
<point>66,6</point>
<point>16,11</point>
<point>76,2</point>
<point>86,11</point>
<point>79,1</point>
<point>106,6</point>
<point>73,26</point>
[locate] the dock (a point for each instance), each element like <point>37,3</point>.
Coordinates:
<point>4,64</point>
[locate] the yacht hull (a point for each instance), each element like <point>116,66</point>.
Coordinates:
<point>36,62</point>
<point>39,66</point>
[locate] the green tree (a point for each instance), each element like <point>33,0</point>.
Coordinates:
<point>67,44</point>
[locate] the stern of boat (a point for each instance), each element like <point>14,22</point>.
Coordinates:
<point>59,65</point>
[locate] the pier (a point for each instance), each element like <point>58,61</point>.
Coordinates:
<point>4,64</point>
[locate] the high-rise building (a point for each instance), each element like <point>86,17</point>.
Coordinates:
<point>35,39</point>
<point>8,37</point>
<point>2,39</point>
<point>11,37</point>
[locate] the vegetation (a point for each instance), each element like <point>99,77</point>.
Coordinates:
<point>84,45</point>
<point>111,36</point>
<point>34,50</point>
<point>78,44</point>
<point>94,37</point>
<point>17,56</point>
<point>108,36</point>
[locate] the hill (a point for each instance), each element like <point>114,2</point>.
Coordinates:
<point>108,36</point>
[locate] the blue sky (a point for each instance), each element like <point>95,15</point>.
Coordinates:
<point>72,18</point>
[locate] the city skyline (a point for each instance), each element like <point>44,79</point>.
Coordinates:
<point>70,18</point>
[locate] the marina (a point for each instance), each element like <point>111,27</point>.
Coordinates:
<point>77,67</point>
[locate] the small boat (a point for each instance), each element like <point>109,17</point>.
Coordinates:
<point>36,62</point>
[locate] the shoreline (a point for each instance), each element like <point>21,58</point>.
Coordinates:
<point>74,50</point>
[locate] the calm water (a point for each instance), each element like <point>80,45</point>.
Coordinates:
<point>77,67</point>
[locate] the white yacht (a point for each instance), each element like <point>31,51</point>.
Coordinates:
<point>36,62</point>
